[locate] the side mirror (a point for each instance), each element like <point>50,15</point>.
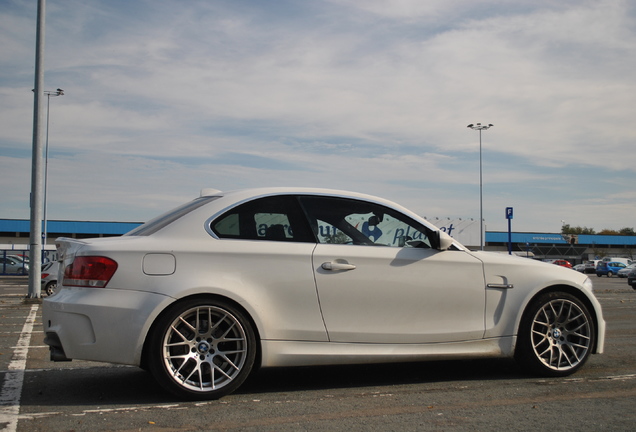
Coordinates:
<point>445,241</point>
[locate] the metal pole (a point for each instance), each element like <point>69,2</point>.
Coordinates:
<point>481,199</point>
<point>480,127</point>
<point>35,262</point>
<point>59,92</point>
<point>509,236</point>
<point>46,170</point>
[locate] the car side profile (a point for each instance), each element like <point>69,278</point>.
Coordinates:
<point>12,264</point>
<point>622,273</point>
<point>562,263</point>
<point>280,277</point>
<point>609,269</point>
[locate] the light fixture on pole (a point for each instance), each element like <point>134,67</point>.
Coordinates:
<point>480,127</point>
<point>49,94</point>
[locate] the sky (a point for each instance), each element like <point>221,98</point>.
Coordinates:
<point>165,97</point>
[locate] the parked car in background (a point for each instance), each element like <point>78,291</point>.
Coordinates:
<point>579,268</point>
<point>622,273</point>
<point>631,278</point>
<point>562,263</point>
<point>609,269</point>
<point>590,267</point>
<point>277,277</point>
<point>49,277</point>
<point>626,261</point>
<point>12,264</point>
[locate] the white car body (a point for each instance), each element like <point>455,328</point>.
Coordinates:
<point>310,303</point>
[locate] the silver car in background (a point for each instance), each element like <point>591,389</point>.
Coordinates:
<point>13,264</point>
<point>49,277</point>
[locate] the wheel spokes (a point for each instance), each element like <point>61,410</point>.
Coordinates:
<point>205,348</point>
<point>561,334</point>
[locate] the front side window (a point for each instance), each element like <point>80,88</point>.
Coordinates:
<point>347,221</point>
<point>275,218</point>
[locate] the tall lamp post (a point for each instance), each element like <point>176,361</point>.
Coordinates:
<point>35,223</point>
<point>480,127</point>
<point>49,94</point>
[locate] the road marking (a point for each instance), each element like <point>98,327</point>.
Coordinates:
<point>13,380</point>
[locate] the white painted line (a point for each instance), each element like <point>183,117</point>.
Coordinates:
<point>13,380</point>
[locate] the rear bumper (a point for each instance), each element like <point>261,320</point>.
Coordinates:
<point>99,324</point>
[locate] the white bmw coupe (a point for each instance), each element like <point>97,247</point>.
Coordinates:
<point>206,293</point>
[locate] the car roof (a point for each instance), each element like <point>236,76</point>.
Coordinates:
<point>240,195</point>
<point>222,201</point>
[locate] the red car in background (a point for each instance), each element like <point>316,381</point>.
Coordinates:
<point>562,263</point>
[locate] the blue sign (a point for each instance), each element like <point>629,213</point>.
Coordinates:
<point>508,212</point>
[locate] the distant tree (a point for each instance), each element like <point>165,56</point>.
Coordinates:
<point>567,229</point>
<point>623,231</point>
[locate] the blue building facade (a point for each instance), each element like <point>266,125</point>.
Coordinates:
<point>14,235</point>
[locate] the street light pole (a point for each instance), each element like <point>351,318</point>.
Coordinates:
<point>35,236</point>
<point>49,94</point>
<point>480,127</point>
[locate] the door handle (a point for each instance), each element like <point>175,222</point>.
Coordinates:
<point>337,266</point>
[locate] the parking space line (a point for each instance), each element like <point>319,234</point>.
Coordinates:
<point>12,387</point>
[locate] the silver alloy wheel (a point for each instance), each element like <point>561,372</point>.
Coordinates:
<point>561,334</point>
<point>204,349</point>
<point>50,288</point>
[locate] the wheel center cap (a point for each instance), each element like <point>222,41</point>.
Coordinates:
<point>556,333</point>
<point>203,347</point>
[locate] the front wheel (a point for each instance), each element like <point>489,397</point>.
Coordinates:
<point>202,349</point>
<point>556,335</point>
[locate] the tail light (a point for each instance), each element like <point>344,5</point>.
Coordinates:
<point>89,271</point>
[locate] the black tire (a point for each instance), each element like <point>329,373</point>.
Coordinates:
<point>556,335</point>
<point>610,274</point>
<point>202,349</point>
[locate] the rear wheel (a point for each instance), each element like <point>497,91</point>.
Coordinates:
<point>556,335</point>
<point>50,288</point>
<point>202,349</point>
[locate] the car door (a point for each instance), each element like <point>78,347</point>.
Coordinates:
<point>381,280</point>
<point>267,246</point>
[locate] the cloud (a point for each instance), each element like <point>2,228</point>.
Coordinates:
<point>374,96</point>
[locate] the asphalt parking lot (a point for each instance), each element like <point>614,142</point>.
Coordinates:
<point>39,395</point>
